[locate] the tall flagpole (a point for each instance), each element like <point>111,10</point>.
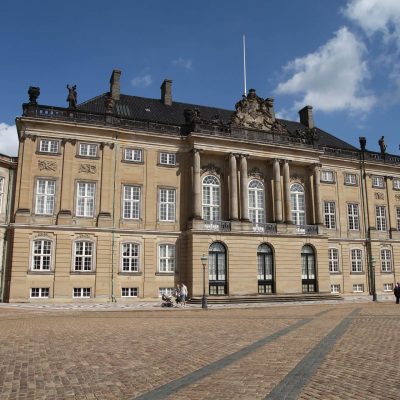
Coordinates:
<point>244,63</point>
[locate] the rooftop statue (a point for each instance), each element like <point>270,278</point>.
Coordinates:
<point>72,97</point>
<point>382,145</point>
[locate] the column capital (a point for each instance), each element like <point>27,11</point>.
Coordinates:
<point>68,140</point>
<point>106,144</point>
<point>196,150</point>
<point>286,161</point>
<point>28,136</point>
<point>243,156</point>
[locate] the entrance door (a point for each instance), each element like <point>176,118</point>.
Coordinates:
<point>217,269</point>
<point>308,275</point>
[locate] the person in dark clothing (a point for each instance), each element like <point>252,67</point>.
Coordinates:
<point>396,292</point>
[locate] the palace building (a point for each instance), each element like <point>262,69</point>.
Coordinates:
<point>119,197</point>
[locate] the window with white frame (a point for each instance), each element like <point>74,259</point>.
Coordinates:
<point>133,155</point>
<point>88,149</point>
<point>398,218</point>
<point>335,288</point>
<point>353,217</point>
<point>85,199</point>
<point>396,183</point>
<point>350,179</point>
<point>167,158</point>
<point>211,198</point>
<point>167,204</point>
<point>380,218</point>
<point>378,182</point>
<point>130,257</point>
<point>39,292</point>
<point>388,287</point>
<point>49,146</point>
<point>45,196</point>
<point>166,258</point>
<point>2,180</point>
<point>129,292</point>
<point>358,287</point>
<point>330,214</point>
<point>327,176</point>
<point>356,260</point>
<point>166,291</point>
<point>386,260</point>
<point>82,292</point>
<point>83,256</point>
<point>298,204</point>
<point>41,255</point>
<point>256,201</point>
<point>333,256</point>
<point>131,202</point>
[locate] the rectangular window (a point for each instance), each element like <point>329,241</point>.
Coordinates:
<point>358,288</point>
<point>327,176</point>
<point>166,258</point>
<point>378,182</point>
<point>85,199</point>
<point>83,256</point>
<point>134,155</point>
<point>45,196</point>
<point>396,183</point>
<point>129,292</point>
<point>356,260</point>
<point>380,218</point>
<point>41,255</point>
<point>388,287</point>
<point>335,288</point>
<point>40,293</point>
<point>350,179</point>
<point>330,218</point>
<point>398,218</point>
<point>353,217</point>
<point>386,260</point>
<point>167,158</point>
<point>49,146</point>
<point>333,255</point>
<point>88,149</point>
<point>167,204</point>
<point>131,202</point>
<point>167,291</point>
<point>130,257</point>
<point>1,192</point>
<point>83,292</point>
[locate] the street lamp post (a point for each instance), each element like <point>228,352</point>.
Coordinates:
<point>374,297</point>
<point>204,298</point>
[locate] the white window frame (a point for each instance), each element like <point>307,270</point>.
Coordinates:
<point>85,202</point>
<point>388,287</point>
<point>358,288</point>
<point>330,214</point>
<point>82,292</point>
<point>167,291</point>
<point>256,201</point>
<point>129,292</point>
<point>298,205</point>
<point>333,260</point>
<point>353,216</point>
<point>356,260</point>
<point>2,182</point>
<point>49,146</point>
<point>131,202</point>
<point>350,179</point>
<point>130,257</point>
<point>386,260</point>
<point>327,176</point>
<point>42,293</point>
<point>380,212</point>
<point>167,204</point>
<point>378,181</point>
<point>87,257</point>
<point>166,258</point>
<point>45,196</point>
<point>42,255</point>
<point>211,198</point>
<point>88,149</point>
<point>133,155</point>
<point>335,288</point>
<point>167,158</point>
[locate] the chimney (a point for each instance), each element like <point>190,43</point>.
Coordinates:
<point>114,84</point>
<point>306,117</point>
<point>166,92</point>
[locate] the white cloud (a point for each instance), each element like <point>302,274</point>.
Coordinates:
<point>181,62</point>
<point>330,79</point>
<point>142,81</point>
<point>8,140</point>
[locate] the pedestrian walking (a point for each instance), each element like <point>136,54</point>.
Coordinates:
<point>184,294</point>
<point>396,292</point>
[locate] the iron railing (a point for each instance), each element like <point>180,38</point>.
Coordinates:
<point>268,228</point>
<point>222,226</point>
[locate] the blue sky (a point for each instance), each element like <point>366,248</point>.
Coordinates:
<point>339,56</point>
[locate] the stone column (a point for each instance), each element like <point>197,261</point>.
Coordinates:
<point>317,195</point>
<point>106,184</point>
<point>244,188</point>
<point>196,185</point>
<point>67,181</point>
<point>286,190</point>
<point>277,191</point>
<point>233,199</point>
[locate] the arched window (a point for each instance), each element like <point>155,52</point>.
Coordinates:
<point>297,204</point>
<point>211,198</point>
<point>265,273</point>
<point>256,201</point>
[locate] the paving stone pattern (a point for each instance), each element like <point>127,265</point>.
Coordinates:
<point>298,351</point>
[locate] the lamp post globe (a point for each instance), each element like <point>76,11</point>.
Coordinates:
<point>204,297</point>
